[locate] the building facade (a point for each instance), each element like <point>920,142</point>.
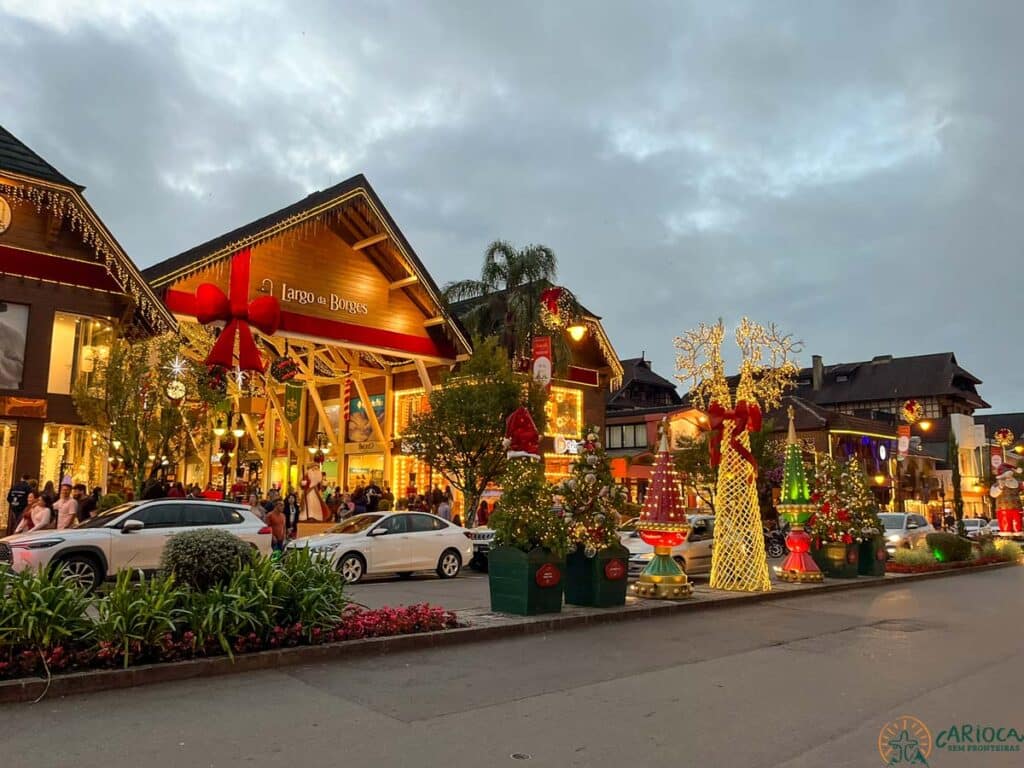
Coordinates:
<point>67,289</point>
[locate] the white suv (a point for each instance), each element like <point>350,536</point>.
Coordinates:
<point>130,535</point>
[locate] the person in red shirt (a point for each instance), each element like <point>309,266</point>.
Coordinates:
<point>278,528</point>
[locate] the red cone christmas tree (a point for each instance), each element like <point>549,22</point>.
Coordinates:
<point>663,525</point>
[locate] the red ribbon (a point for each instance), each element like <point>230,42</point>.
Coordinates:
<point>747,416</point>
<point>549,298</point>
<point>213,306</point>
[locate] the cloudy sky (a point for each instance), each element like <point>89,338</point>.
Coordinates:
<point>850,171</point>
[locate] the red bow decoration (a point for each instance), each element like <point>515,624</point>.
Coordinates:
<point>747,416</point>
<point>213,306</point>
<point>549,298</point>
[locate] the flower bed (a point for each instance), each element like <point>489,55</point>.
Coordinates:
<point>355,624</point>
<point>894,567</point>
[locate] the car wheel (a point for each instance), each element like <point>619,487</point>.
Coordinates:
<point>352,567</point>
<point>82,570</point>
<point>449,565</point>
<point>405,574</point>
<point>681,562</point>
<point>775,548</point>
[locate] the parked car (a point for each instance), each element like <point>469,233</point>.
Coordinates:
<point>693,555</point>
<point>391,542</point>
<point>904,531</point>
<point>130,535</point>
<point>993,526</point>
<point>482,538</point>
<point>976,528</point>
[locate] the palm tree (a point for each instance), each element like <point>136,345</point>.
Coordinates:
<point>511,282</point>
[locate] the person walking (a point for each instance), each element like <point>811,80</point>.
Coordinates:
<point>49,493</point>
<point>373,496</point>
<point>278,527</point>
<point>291,513</point>
<point>256,508</point>
<point>36,516</point>
<point>66,508</point>
<point>86,502</point>
<point>17,501</point>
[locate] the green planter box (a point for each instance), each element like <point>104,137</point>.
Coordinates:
<point>871,557</point>
<point>838,561</point>
<point>598,581</point>
<point>525,583</point>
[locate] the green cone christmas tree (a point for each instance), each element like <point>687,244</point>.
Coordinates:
<point>795,508</point>
<point>591,498</point>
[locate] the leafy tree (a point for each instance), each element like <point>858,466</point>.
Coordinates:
<point>126,403</point>
<point>509,289</point>
<point>958,494</point>
<point>461,434</point>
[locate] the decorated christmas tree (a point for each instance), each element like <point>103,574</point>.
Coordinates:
<point>846,509</point>
<point>591,498</point>
<point>795,508</point>
<point>663,525</point>
<point>524,516</point>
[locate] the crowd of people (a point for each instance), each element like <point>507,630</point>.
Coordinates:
<point>33,508</point>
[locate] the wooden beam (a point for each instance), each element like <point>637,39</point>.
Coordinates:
<point>421,369</point>
<point>371,414</point>
<point>285,424</point>
<point>433,321</point>
<point>318,403</point>
<point>404,282</point>
<point>366,242</point>
<point>250,428</point>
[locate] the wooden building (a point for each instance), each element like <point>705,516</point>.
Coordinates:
<point>66,289</point>
<point>360,315</point>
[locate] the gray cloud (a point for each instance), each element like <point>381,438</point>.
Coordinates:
<point>848,171</point>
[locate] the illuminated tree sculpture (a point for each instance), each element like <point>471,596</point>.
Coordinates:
<point>795,507</point>
<point>738,560</point>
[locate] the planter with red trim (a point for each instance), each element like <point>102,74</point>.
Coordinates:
<point>599,581</point>
<point>525,583</point>
<point>837,560</point>
<point>872,556</point>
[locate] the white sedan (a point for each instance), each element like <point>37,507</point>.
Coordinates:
<point>392,542</point>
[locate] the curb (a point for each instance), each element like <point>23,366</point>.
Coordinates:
<point>93,681</point>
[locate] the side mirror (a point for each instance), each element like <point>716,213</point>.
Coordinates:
<point>379,532</point>
<point>912,526</point>
<point>132,526</point>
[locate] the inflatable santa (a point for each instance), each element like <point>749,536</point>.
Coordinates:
<point>1006,491</point>
<point>521,437</point>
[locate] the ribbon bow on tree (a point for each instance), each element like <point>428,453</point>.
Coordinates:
<point>747,416</point>
<point>213,306</point>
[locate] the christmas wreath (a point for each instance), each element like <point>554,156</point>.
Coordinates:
<point>911,411</point>
<point>558,308</point>
<point>1004,437</point>
<point>284,369</point>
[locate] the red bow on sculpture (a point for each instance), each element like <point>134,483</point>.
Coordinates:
<point>549,298</point>
<point>213,306</point>
<point>747,416</point>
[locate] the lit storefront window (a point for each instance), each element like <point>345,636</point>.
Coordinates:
<point>564,411</point>
<point>72,452</point>
<point>79,346</point>
<point>8,445</point>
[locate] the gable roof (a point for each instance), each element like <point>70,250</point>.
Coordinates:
<point>465,306</point>
<point>273,224</point>
<point>17,157</point>
<point>638,370</point>
<point>810,417</point>
<point>886,377</point>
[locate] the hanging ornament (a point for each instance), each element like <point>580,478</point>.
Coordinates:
<point>284,369</point>
<point>911,411</point>
<point>234,308</point>
<point>592,460</point>
<point>217,378</point>
<point>176,390</point>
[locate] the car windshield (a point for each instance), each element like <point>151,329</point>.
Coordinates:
<point>892,522</point>
<point>355,524</point>
<point>108,515</point>
<point>629,525</point>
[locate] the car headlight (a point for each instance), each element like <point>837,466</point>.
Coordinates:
<point>895,538</point>
<point>644,557</point>
<point>323,549</point>
<point>36,543</point>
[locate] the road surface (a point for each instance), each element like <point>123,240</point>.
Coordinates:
<point>800,683</point>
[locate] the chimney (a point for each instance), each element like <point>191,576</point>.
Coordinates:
<point>817,372</point>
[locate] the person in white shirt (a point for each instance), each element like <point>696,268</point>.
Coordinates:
<point>66,507</point>
<point>36,516</point>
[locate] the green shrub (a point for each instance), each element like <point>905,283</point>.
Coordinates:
<point>261,590</point>
<point>313,592</point>
<point>948,547</point>
<point>219,615</point>
<point>913,557</point>
<point>109,501</point>
<point>205,558</point>
<point>42,609</point>
<point>1008,550</point>
<point>131,618</point>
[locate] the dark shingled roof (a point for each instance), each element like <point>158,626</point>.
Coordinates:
<point>809,417</point>
<point>16,157</point>
<point>886,377</point>
<point>638,370</point>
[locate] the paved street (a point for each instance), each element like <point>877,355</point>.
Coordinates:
<point>800,683</point>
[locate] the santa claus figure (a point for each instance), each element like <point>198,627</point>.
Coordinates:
<point>312,494</point>
<point>522,440</point>
<point>1006,491</point>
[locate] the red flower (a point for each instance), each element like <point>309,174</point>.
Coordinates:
<point>847,538</point>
